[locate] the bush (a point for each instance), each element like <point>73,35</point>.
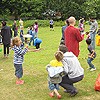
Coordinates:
<point>42,23</point>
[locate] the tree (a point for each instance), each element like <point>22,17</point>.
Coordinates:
<point>58,9</point>
<point>91,8</point>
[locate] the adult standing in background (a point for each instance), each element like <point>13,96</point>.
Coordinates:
<point>6,34</point>
<point>36,29</point>
<point>21,30</point>
<point>72,37</point>
<point>51,24</point>
<point>15,29</point>
<point>93,28</point>
<point>21,23</point>
<point>63,29</point>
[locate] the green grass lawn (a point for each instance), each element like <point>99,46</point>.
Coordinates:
<point>35,75</point>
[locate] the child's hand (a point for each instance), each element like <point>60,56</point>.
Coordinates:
<point>26,46</point>
<point>89,56</point>
<point>87,33</point>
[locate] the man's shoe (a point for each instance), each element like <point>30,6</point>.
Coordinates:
<point>74,93</point>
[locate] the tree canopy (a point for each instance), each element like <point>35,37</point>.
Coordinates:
<point>45,9</point>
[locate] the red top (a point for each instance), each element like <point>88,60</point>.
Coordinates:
<point>72,39</point>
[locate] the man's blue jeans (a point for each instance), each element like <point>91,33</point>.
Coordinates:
<point>92,37</point>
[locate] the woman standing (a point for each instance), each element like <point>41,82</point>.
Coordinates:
<point>6,34</point>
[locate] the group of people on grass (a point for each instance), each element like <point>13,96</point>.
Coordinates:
<point>65,69</point>
<point>6,35</point>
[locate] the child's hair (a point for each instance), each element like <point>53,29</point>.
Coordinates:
<point>59,55</point>
<point>15,41</point>
<point>67,22</point>
<point>63,48</point>
<point>62,42</point>
<point>3,23</point>
<point>36,23</point>
<point>81,21</point>
<point>88,41</point>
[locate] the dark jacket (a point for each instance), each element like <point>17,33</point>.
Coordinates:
<point>6,34</point>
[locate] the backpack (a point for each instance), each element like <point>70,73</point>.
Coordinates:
<point>56,79</point>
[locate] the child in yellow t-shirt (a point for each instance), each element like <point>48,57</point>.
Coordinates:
<point>55,68</point>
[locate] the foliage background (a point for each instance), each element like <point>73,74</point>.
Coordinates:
<point>46,9</point>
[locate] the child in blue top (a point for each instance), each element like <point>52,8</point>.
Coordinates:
<point>37,43</point>
<point>19,53</point>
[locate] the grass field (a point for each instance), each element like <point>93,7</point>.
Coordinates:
<point>35,75</point>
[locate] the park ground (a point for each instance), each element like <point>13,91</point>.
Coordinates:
<point>35,74</point>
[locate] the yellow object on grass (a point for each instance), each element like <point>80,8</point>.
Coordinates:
<point>98,40</point>
<point>55,63</point>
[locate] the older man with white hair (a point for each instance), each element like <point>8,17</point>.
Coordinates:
<point>72,37</point>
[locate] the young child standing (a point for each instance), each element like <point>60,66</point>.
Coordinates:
<point>91,55</point>
<point>54,74</point>
<point>19,53</point>
<point>81,25</point>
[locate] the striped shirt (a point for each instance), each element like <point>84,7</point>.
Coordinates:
<point>19,53</point>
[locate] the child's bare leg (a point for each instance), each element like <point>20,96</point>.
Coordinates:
<point>57,93</point>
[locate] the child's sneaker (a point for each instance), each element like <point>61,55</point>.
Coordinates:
<point>51,94</point>
<point>19,82</point>
<point>59,96</point>
<point>93,69</point>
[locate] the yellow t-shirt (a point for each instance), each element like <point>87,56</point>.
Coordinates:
<point>55,63</point>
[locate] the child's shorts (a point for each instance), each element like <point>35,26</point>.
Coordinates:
<point>18,70</point>
<point>53,86</point>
